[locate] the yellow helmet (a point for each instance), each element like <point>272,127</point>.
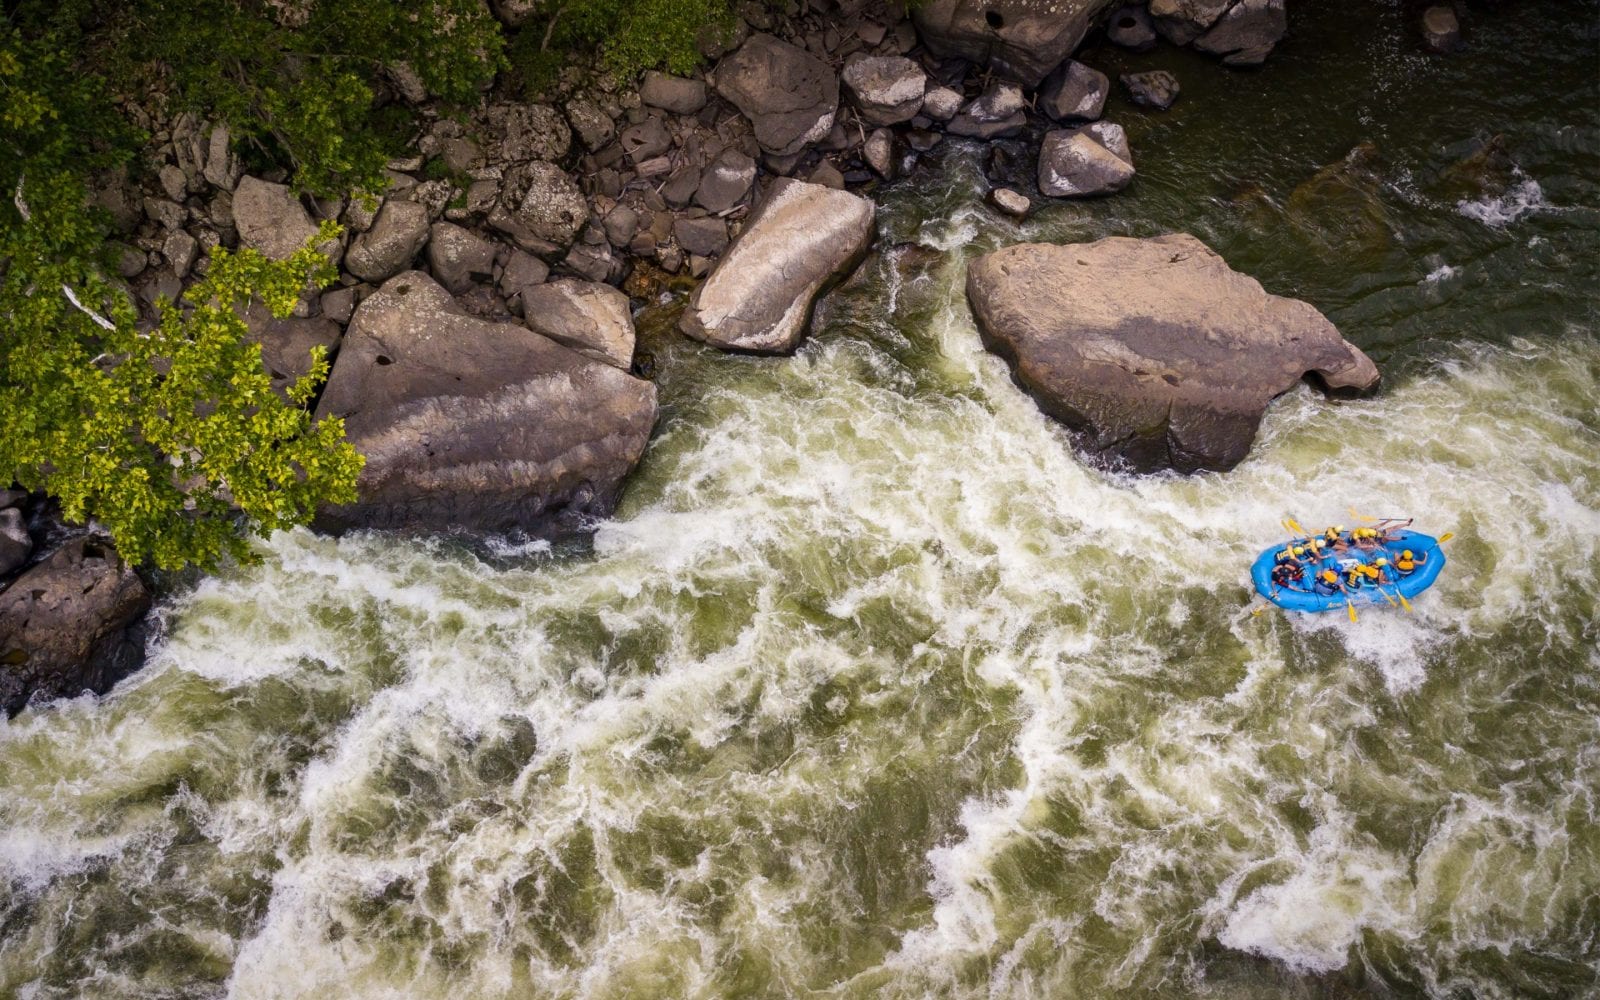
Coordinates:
<point>1329,575</point>
<point>1299,550</point>
<point>1381,561</point>
<point>1406,554</point>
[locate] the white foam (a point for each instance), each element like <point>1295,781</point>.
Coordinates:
<point>1523,198</point>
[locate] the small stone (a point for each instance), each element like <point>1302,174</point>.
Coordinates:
<point>646,140</point>
<point>681,186</point>
<point>173,182</point>
<point>389,247</point>
<point>887,89</point>
<point>999,111</point>
<point>1010,202</point>
<point>621,223</point>
<point>457,256</point>
<point>587,118</point>
<point>672,93</point>
<point>826,174</point>
<point>338,304</point>
<point>1154,89</point>
<point>707,236</point>
<point>180,249</point>
<point>879,153</point>
<point>131,261</point>
<point>941,103</point>
<point>726,181</point>
<point>521,271</point>
<point>166,214</point>
<point>222,164</point>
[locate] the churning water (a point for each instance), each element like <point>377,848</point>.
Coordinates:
<point>873,689</point>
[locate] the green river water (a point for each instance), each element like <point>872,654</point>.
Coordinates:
<point>873,689</point>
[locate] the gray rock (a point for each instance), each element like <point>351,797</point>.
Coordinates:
<point>65,625</point>
<point>1112,136</point>
<point>131,261</point>
<point>725,182</point>
<point>587,118</point>
<point>760,296</point>
<point>15,545</point>
<point>591,318</point>
<point>790,96</point>
<point>1129,26</point>
<point>460,155</point>
<point>458,257</point>
<point>1010,202</point>
<point>180,249</point>
<point>271,219</point>
<point>1441,30</point>
<point>173,182</point>
<point>1157,352</point>
<point>941,103</point>
<point>527,132</point>
<point>169,215</point>
<point>680,188</point>
<point>338,304</point>
<point>540,207</point>
<point>1074,93</point>
<point>286,343</point>
<point>646,140</point>
<point>1022,40</point>
<point>389,247</point>
<point>112,192</point>
<point>222,165</point>
<point>888,90</point>
<point>828,175</point>
<point>672,93</point>
<point>879,151</point>
<point>1000,110</point>
<point>593,261</point>
<point>621,224</point>
<point>1078,163</point>
<point>469,423</point>
<point>1182,21</point>
<point>1154,89</point>
<point>706,236</point>
<point>521,271</point>
<point>1248,24</point>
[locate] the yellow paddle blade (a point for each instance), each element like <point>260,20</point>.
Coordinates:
<point>1360,516</point>
<point>1447,536</point>
<point>1351,607</point>
<point>1386,597</point>
<point>1294,526</point>
<point>1256,612</point>
<point>1403,602</point>
<point>1287,525</point>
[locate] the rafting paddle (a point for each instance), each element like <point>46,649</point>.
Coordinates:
<point>1351,607</point>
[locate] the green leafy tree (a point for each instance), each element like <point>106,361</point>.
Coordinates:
<point>169,435</point>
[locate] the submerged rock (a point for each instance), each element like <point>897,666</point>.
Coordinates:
<point>759,298</point>
<point>65,624</point>
<point>789,95</point>
<point>1155,89</point>
<point>1441,30</point>
<point>1022,40</point>
<point>1156,351</point>
<point>475,424</point>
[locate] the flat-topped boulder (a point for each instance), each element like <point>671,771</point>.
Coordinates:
<point>1155,351</point>
<point>802,237</point>
<point>1022,40</point>
<point>475,424</point>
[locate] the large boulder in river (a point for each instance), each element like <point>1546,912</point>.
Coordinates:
<point>789,95</point>
<point>1156,351</point>
<point>759,298</point>
<point>66,624</point>
<point>1085,162</point>
<point>1247,32</point>
<point>469,423</point>
<point>1021,40</point>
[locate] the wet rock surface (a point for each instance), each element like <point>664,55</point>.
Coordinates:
<point>1022,40</point>
<point>1155,351</point>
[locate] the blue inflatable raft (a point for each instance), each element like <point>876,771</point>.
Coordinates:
<point>1299,597</point>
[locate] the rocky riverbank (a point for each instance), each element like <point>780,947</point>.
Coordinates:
<point>482,321</point>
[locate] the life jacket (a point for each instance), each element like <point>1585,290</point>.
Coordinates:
<point>1354,578</point>
<point>1404,565</point>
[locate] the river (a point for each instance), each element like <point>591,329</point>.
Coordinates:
<point>872,688</point>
